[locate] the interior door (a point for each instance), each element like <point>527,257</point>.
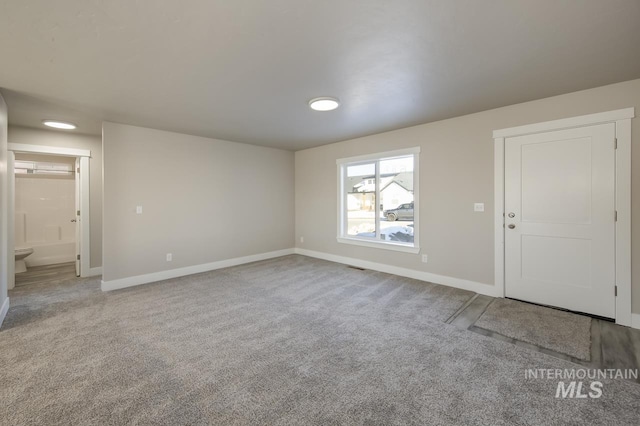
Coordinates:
<point>77,219</point>
<point>560,219</point>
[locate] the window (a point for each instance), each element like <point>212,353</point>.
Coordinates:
<point>40,168</point>
<point>378,205</point>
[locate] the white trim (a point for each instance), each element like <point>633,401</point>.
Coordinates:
<point>566,123</point>
<point>377,204</point>
<point>85,218</point>
<point>342,202</point>
<point>189,270</point>
<point>379,155</point>
<point>498,208</point>
<point>11,213</point>
<point>51,150</point>
<point>4,310</point>
<point>622,119</point>
<point>385,245</point>
<point>416,200</point>
<point>78,226</point>
<point>93,272</point>
<point>635,321</point>
<point>477,287</point>
<point>85,222</point>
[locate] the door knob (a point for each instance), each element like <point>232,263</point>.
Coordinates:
<point>511,226</point>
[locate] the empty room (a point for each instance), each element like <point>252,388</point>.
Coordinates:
<point>330,213</point>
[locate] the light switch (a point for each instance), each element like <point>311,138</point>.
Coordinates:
<point>478,207</point>
<point>139,209</point>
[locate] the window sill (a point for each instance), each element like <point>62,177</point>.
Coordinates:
<point>380,245</point>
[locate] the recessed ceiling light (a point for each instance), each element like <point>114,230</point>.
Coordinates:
<point>324,104</point>
<point>59,124</point>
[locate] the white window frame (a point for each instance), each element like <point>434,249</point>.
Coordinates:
<point>342,202</point>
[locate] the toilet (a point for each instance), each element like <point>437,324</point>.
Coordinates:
<point>21,253</point>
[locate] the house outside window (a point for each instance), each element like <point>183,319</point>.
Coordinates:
<point>378,200</point>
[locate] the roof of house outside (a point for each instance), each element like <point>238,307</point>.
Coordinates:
<point>358,183</point>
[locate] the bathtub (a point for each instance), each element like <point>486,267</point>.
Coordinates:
<point>50,253</point>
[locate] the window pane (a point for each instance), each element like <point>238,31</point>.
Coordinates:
<point>396,198</point>
<point>360,189</point>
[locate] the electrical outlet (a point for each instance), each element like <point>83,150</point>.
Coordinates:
<point>302,239</point>
<point>478,207</point>
<point>425,258</point>
<point>169,257</point>
<point>138,209</point>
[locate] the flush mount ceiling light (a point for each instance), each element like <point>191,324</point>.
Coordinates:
<point>324,104</point>
<point>59,124</point>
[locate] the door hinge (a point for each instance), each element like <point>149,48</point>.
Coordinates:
<point>615,143</point>
<point>78,257</point>
<point>78,170</point>
<point>78,213</point>
<point>615,290</point>
<point>616,215</point>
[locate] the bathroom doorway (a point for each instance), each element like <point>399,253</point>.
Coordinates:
<point>45,210</point>
<point>49,202</point>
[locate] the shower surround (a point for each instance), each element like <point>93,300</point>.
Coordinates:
<point>44,210</point>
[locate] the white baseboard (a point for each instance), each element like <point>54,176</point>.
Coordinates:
<point>189,270</point>
<point>4,310</point>
<point>94,272</point>
<point>635,321</point>
<point>474,286</point>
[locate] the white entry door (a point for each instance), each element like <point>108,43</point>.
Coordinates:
<point>560,219</point>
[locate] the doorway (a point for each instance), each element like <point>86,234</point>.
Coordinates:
<point>45,207</point>
<point>562,188</point>
<point>79,222</point>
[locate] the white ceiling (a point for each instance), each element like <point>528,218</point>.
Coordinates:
<point>244,70</point>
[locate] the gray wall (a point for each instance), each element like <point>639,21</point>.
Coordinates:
<point>4,249</point>
<point>456,170</point>
<point>77,141</point>
<point>203,200</point>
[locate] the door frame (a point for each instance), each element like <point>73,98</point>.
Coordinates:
<point>622,119</point>
<point>85,223</point>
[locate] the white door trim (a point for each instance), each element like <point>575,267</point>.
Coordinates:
<point>11,213</point>
<point>85,223</point>
<point>622,119</point>
<point>50,150</point>
<point>566,123</point>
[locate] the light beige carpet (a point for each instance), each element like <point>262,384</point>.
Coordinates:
<point>288,341</point>
<point>559,331</point>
